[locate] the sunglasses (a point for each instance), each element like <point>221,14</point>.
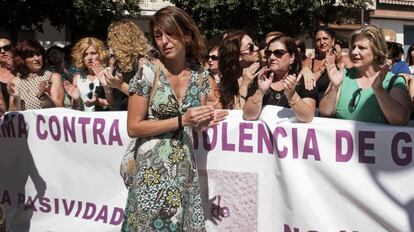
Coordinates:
<point>7,48</point>
<point>278,53</point>
<point>354,100</point>
<point>213,58</point>
<point>251,47</point>
<point>91,86</point>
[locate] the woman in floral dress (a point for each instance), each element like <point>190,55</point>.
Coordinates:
<point>165,193</point>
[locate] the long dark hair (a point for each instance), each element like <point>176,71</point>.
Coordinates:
<point>409,59</point>
<point>229,67</point>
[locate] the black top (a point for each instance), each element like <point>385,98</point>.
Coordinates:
<point>120,100</point>
<point>278,98</point>
<point>321,84</point>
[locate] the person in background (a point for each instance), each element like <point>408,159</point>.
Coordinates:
<point>314,71</point>
<point>300,44</point>
<point>167,100</point>
<point>128,45</point>
<point>394,57</point>
<point>410,58</point>
<point>279,83</point>
<point>362,93</point>
<point>238,66</point>
<point>6,72</point>
<point>34,87</point>
<point>89,91</point>
<point>213,96</point>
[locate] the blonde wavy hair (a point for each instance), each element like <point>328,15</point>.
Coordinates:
<point>127,42</point>
<point>82,45</point>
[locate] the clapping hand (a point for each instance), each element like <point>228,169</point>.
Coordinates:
<point>335,76</point>
<point>377,84</point>
<point>265,80</point>
<point>71,90</point>
<point>290,83</point>
<point>113,81</point>
<point>13,87</point>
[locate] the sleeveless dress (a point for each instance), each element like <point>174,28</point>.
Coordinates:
<point>359,104</point>
<point>29,87</point>
<point>165,193</point>
<point>84,85</point>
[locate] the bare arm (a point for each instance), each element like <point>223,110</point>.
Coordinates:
<point>253,106</point>
<point>57,91</point>
<point>327,106</point>
<point>139,127</point>
<point>395,105</point>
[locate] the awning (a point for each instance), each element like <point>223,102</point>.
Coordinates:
<point>398,2</point>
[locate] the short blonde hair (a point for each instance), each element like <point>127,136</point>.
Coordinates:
<point>127,42</point>
<point>377,42</point>
<point>82,45</point>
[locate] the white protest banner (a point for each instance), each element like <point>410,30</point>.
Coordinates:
<point>59,171</point>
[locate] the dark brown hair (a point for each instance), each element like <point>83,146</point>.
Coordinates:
<point>175,21</point>
<point>26,49</point>
<point>229,66</point>
<point>292,49</point>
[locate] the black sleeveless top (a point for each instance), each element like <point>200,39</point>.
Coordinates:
<point>321,84</point>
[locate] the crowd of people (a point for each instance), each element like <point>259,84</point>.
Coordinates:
<point>174,83</point>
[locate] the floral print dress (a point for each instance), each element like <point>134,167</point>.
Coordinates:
<point>165,193</point>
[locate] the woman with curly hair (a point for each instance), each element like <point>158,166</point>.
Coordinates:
<point>89,90</point>
<point>35,88</point>
<point>128,44</point>
<point>238,64</point>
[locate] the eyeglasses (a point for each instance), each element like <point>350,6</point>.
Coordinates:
<point>251,47</point>
<point>213,58</point>
<point>278,53</point>
<point>354,100</point>
<point>7,48</point>
<point>91,86</point>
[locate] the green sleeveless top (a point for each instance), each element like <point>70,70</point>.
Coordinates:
<point>355,103</point>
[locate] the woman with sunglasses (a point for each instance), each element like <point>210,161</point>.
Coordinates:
<point>6,72</point>
<point>279,83</point>
<point>213,96</point>
<point>167,100</point>
<point>239,56</point>
<point>35,87</point>
<point>89,90</point>
<point>363,93</point>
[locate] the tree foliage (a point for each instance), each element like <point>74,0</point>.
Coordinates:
<point>293,17</point>
<point>81,17</point>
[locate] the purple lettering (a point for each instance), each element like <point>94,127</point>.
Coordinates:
<point>44,205</point>
<point>56,206</point>
<point>365,146</point>
<point>407,150</point>
<point>114,135</point>
<point>30,204</point>
<point>54,120</point>
<point>280,131</point>
<point>208,146</point>
<point>41,135</point>
<point>5,198</point>
<point>295,146</point>
<point>89,215</point>
<point>117,216</point>
<point>79,208</point>
<point>245,136</point>
<point>263,136</point>
<point>287,229</point>
<point>67,209</point>
<point>195,139</point>
<point>20,200</point>
<point>69,129</point>
<point>226,146</point>
<point>22,126</point>
<point>98,129</point>
<point>102,215</point>
<point>8,125</point>
<point>347,155</point>
<point>307,150</point>
<point>84,121</point>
